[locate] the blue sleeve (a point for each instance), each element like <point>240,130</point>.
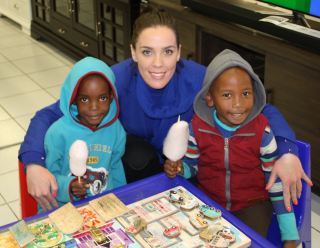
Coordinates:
<point>32,148</point>
<point>117,170</point>
<point>287,221</point>
<point>285,137</point>
<point>55,164</point>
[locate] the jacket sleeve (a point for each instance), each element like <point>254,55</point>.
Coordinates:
<point>285,137</point>
<point>287,221</point>
<point>190,160</point>
<point>117,170</point>
<point>32,148</point>
<point>54,162</point>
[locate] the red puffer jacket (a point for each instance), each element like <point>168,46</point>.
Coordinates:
<point>229,169</point>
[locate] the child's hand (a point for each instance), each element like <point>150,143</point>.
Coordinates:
<point>172,168</point>
<point>289,244</point>
<point>79,189</point>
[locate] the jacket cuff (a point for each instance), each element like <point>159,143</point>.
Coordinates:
<point>286,146</point>
<point>186,171</point>
<point>32,158</point>
<point>288,227</point>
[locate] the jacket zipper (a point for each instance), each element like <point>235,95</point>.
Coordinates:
<point>228,173</point>
<point>227,161</point>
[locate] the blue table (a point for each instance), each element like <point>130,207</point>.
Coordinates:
<point>156,184</point>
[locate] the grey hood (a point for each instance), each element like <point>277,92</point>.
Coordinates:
<point>225,60</point>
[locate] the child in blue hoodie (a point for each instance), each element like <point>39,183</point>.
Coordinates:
<point>90,106</point>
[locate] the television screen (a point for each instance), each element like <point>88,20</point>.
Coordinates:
<point>310,7</point>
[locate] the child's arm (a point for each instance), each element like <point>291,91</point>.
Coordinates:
<point>288,166</point>
<point>117,171</point>
<point>287,222</point>
<point>55,162</point>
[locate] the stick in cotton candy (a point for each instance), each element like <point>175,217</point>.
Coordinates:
<point>176,142</point>
<point>78,154</point>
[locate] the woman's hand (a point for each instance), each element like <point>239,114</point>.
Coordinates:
<point>79,188</point>
<point>42,186</point>
<point>289,169</point>
<point>172,168</point>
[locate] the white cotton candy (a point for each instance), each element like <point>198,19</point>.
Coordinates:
<point>176,142</point>
<point>78,154</point>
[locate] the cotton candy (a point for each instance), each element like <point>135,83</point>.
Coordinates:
<point>176,142</point>
<point>78,154</point>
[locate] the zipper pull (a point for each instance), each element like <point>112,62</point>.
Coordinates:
<point>226,142</point>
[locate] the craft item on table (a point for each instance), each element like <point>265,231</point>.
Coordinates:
<point>136,225</point>
<point>48,235</point>
<point>176,142</point>
<point>78,155</point>
<point>189,202</point>
<point>108,206</point>
<point>7,240</point>
<point>111,234</point>
<point>67,218</point>
<point>118,246</point>
<point>209,233</point>
<point>90,218</point>
<point>172,232</point>
<point>21,233</point>
<point>227,234</point>
<point>175,197</point>
<point>100,237</point>
<point>186,201</point>
<point>222,239</point>
<point>188,205</point>
<point>198,221</point>
<point>210,212</point>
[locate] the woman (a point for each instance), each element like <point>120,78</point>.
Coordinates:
<point>154,87</point>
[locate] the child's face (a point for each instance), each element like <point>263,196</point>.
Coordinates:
<point>93,100</point>
<point>232,96</point>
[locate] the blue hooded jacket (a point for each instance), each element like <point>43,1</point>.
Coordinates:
<point>106,143</point>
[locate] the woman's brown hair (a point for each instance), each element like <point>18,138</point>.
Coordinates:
<point>152,17</point>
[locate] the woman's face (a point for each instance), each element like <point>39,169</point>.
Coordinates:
<point>156,53</point>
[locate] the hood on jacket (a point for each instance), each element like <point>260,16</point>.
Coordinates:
<point>223,61</point>
<point>83,68</point>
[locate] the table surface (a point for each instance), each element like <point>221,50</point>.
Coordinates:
<point>156,184</point>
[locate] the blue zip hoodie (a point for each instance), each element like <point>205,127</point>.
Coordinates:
<point>106,143</point>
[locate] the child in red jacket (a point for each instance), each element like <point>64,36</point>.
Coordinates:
<point>232,148</point>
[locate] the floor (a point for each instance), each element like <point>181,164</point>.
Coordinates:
<point>31,73</point>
